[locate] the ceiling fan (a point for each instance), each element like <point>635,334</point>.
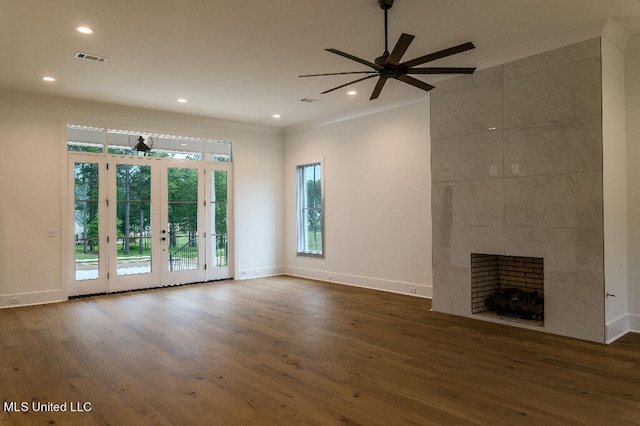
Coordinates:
<point>389,66</point>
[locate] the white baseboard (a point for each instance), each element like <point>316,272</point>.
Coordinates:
<point>267,271</point>
<point>616,329</point>
<point>35,298</point>
<point>634,323</point>
<point>411,289</point>
<point>623,325</point>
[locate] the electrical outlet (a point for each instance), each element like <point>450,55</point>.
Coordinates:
<point>52,233</point>
<point>412,290</point>
<point>14,301</point>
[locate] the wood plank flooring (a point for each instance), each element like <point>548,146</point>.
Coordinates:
<point>288,351</point>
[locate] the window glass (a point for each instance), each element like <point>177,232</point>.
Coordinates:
<point>134,219</point>
<point>123,142</point>
<point>310,214</point>
<point>86,220</point>
<point>85,139</point>
<point>127,142</point>
<point>182,188</point>
<point>219,151</point>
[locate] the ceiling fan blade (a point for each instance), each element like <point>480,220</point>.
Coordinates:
<point>378,88</point>
<point>346,84</point>
<point>400,48</point>
<point>440,70</point>
<point>440,54</point>
<point>415,82</point>
<point>339,73</point>
<point>355,58</point>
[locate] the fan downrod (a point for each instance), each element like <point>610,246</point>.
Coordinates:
<point>384,5</point>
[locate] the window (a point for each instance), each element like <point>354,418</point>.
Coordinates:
<point>309,177</point>
<point>122,142</point>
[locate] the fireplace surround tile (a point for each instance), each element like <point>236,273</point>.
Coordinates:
<point>478,203</point>
<point>468,112</point>
<point>571,90</point>
<point>467,157</point>
<point>474,239</point>
<point>521,207</point>
<point>589,208</point>
<point>554,58</point>
<point>565,307</point>
<point>571,145</point>
<point>484,77</point>
<point>551,209</point>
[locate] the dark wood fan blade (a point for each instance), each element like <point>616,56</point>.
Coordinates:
<point>355,58</point>
<point>440,70</point>
<point>400,48</point>
<point>378,88</point>
<point>351,82</point>
<point>415,82</point>
<point>339,73</point>
<point>440,54</point>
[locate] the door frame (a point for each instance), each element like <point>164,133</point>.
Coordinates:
<point>213,273</point>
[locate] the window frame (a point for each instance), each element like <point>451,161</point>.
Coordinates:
<point>301,211</point>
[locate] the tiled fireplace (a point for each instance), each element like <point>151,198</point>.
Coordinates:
<point>517,170</point>
<point>511,286</point>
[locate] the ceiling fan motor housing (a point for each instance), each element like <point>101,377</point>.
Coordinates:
<point>385,4</point>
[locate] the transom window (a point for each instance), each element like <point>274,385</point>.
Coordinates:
<point>310,213</point>
<point>124,142</point>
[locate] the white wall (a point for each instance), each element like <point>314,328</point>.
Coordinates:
<point>614,157</point>
<point>377,200</point>
<point>33,186</point>
<point>632,80</point>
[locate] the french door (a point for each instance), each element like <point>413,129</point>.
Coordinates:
<point>142,222</point>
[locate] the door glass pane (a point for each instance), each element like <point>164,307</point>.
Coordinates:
<point>182,187</point>
<point>219,241</point>
<point>86,220</point>
<point>133,219</point>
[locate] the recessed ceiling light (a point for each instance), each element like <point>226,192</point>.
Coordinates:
<point>276,116</point>
<point>352,92</point>
<point>48,78</point>
<point>182,100</point>
<point>84,30</point>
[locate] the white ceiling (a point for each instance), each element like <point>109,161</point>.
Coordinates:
<point>240,59</point>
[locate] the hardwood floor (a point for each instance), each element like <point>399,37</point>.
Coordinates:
<point>289,351</point>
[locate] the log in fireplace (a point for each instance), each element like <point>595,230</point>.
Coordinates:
<point>512,286</point>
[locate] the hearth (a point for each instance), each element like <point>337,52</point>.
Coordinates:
<point>509,286</point>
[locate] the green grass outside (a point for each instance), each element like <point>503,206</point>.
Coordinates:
<point>81,256</point>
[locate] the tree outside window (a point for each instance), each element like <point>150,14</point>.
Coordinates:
<point>310,212</point>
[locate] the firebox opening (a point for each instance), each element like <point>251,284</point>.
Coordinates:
<point>509,286</point>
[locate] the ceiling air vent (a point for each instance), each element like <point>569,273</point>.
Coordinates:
<point>309,100</point>
<point>92,58</point>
